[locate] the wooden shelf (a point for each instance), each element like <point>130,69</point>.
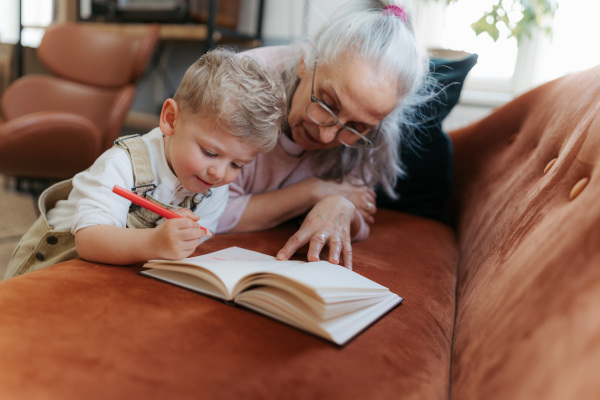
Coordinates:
<point>195,32</point>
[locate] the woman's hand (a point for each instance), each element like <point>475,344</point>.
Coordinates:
<point>363,197</point>
<point>329,222</point>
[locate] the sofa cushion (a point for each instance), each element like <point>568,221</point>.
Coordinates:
<point>80,330</point>
<point>527,184</point>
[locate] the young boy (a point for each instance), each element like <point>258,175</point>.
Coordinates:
<point>227,110</point>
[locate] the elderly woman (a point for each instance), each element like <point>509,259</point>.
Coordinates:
<point>348,91</point>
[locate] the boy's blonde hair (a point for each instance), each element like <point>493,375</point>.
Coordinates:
<point>242,95</point>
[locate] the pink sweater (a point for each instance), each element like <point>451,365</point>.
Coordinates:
<point>286,164</point>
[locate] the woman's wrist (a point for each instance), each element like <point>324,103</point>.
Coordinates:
<point>316,189</point>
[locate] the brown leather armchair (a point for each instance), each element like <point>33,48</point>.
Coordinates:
<point>56,125</point>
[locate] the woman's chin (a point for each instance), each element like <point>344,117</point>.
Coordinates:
<point>304,140</point>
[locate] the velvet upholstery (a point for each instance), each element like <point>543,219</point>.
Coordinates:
<point>502,306</point>
<point>528,323</point>
<point>103,332</point>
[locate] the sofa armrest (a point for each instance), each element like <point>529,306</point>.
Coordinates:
<point>527,214</point>
<point>48,144</point>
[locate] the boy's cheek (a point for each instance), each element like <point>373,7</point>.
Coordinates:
<point>231,177</point>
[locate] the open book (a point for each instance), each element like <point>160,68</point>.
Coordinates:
<point>324,299</point>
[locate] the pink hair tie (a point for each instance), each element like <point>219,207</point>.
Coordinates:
<point>395,10</point>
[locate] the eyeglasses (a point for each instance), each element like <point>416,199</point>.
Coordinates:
<point>359,136</point>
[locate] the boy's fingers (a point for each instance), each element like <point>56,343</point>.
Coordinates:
<point>187,213</point>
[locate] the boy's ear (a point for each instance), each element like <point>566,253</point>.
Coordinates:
<point>168,117</point>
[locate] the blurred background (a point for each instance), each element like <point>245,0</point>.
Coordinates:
<point>506,67</point>
<point>521,44</point>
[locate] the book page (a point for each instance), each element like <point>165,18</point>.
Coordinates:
<point>328,290</point>
<point>229,265</point>
<point>279,305</point>
<point>325,299</point>
<point>235,254</point>
<point>187,280</point>
<point>331,281</point>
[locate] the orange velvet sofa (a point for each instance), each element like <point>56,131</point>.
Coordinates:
<point>503,305</point>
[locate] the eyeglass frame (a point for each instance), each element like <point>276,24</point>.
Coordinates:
<point>314,99</point>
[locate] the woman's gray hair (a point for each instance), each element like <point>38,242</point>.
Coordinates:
<point>360,29</point>
<point>243,95</point>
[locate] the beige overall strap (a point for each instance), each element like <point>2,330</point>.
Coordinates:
<point>192,202</point>
<point>143,176</point>
<point>143,180</point>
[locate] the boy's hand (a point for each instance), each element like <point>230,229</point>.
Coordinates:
<point>177,238</point>
<point>174,239</point>
<point>187,213</point>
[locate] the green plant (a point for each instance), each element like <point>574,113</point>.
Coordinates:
<point>521,17</point>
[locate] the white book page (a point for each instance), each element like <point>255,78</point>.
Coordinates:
<point>230,265</point>
<point>280,306</point>
<point>235,254</point>
<point>328,279</point>
<point>187,281</point>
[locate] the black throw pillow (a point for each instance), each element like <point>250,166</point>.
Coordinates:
<point>427,157</point>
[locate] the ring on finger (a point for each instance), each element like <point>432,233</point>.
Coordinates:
<point>369,206</point>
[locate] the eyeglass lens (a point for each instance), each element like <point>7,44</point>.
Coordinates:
<point>348,136</point>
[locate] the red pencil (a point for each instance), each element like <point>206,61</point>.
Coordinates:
<point>140,201</point>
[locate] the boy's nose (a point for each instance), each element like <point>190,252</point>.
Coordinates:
<point>217,171</point>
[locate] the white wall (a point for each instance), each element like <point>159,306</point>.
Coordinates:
<point>9,21</point>
<point>286,20</point>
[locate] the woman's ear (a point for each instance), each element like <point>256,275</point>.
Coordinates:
<point>168,117</point>
<point>301,67</point>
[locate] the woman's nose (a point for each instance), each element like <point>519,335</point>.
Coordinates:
<point>327,134</point>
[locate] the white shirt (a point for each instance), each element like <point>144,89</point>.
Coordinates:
<point>92,202</point>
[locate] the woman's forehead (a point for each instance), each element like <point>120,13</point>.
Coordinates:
<point>360,87</point>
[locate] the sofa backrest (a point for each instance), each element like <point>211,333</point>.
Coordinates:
<point>527,207</point>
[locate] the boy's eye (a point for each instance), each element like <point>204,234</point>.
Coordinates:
<point>236,166</point>
<point>208,153</point>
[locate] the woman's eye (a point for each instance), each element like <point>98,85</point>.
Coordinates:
<point>236,166</point>
<point>208,153</point>
<point>361,128</point>
<point>330,105</point>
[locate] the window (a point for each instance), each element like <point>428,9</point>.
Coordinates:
<point>496,61</point>
<point>9,21</point>
<point>505,69</point>
<point>573,47</point>
<point>36,15</point>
